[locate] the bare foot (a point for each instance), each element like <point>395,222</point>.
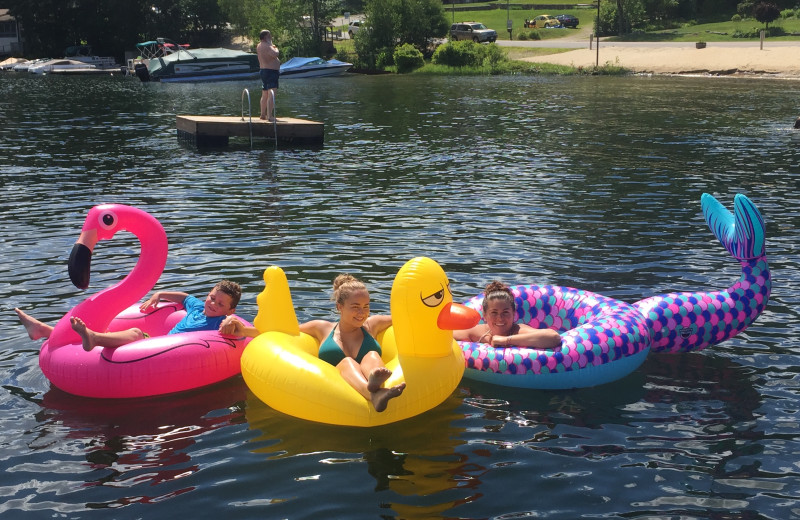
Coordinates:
<point>381,398</point>
<point>86,334</point>
<point>263,118</point>
<point>377,378</point>
<point>35,328</point>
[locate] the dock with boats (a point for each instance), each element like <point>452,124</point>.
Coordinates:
<point>207,131</point>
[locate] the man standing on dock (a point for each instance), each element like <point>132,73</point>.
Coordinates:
<point>270,66</point>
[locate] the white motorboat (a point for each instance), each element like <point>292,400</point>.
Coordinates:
<point>313,68</point>
<point>65,66</point>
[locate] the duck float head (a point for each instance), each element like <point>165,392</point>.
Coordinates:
<point>282,368</point>
<point>423,313</point>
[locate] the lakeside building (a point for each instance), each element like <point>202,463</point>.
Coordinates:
<point>10,37</point>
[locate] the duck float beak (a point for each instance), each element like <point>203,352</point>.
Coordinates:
<point>455,316</point>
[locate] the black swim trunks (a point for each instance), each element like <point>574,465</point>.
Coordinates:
<point>269,78</point>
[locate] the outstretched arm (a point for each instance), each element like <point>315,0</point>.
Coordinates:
<point>529,337</point>
<point>232,326</point>
<point>170,296</point>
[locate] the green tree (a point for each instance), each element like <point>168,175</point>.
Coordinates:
<point>390,23</point>
<point>297,26</point>
<point>621,17</point>
<point>112,27</point>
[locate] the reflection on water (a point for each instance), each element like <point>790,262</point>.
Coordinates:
<point>585,182</point>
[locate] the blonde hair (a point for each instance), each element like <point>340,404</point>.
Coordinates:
<point>345,285</point>
<point>497,290</point>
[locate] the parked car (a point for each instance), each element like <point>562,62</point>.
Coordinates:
<point>474,31</point>
<point>354,27</point>
<point>543,21</point>
<point>567,20</point>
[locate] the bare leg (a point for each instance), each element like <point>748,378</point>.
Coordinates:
<point>374,371</point>
<point>264,100</point>
<point>36,329</point>
<point>271,105</point>
<point>381,398</point>
<point>91,339</point>
<point>369,385</point>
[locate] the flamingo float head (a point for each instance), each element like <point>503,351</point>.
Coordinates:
<point>102,223</point>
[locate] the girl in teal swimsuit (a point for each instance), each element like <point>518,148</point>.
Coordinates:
<point>350,344</point>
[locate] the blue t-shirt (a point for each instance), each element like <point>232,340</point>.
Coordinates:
<point>195,319</point>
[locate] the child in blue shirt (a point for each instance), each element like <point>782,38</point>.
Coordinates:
<point>200,315</point>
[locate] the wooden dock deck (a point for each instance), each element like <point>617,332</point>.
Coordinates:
<point>215,130</point>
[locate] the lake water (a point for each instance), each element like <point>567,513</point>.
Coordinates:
<point>589,182</point>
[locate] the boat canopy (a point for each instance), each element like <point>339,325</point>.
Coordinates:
<point>157,48</point>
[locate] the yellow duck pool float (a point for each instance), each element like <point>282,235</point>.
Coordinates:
<point>281,367</point>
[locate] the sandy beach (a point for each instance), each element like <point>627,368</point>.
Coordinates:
<point>716,59</point>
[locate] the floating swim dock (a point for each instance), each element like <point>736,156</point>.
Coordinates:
<point>215,130</point>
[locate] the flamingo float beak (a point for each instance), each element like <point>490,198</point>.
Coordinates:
<point>455,316</point>
<point>80,259</point>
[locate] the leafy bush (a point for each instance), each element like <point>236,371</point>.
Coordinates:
<point>489,57</point>
<point>751,33</point>
<point>385,58</point>
<point>736,18</point>
<point>787,13</point>
<point>458,54</point>
<point>522,36</point>
<point>493,56</point>
<point>534,35</point>
<point>755,32</point>
<point>745,8</point>
<point>407,58</point>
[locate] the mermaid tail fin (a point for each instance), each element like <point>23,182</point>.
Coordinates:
<point>743,232</point>
<point>681,322</point>
<point>275,307</point>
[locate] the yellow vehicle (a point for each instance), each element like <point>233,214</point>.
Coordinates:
<point>543,21</point>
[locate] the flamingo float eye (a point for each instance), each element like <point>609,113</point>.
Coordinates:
<point>434,299</point>
<point>108,219</point>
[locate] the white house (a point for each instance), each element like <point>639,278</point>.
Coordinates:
<point>10,37</point>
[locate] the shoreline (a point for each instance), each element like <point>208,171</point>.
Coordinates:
<point>717,61</point>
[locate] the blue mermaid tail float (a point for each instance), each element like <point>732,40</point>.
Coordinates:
<point>603,339</point>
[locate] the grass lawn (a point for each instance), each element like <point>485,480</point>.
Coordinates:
<point>721,31</point>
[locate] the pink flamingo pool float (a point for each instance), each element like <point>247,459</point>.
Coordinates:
<point>157,365</point>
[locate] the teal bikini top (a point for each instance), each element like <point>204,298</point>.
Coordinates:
<point>331,352</point>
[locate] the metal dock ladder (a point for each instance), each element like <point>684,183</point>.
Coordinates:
<point>250,115</point>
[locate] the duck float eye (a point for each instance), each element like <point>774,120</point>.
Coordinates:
<point>434,299</point>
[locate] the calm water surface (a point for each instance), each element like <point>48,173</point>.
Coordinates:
<point>586,182</point>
